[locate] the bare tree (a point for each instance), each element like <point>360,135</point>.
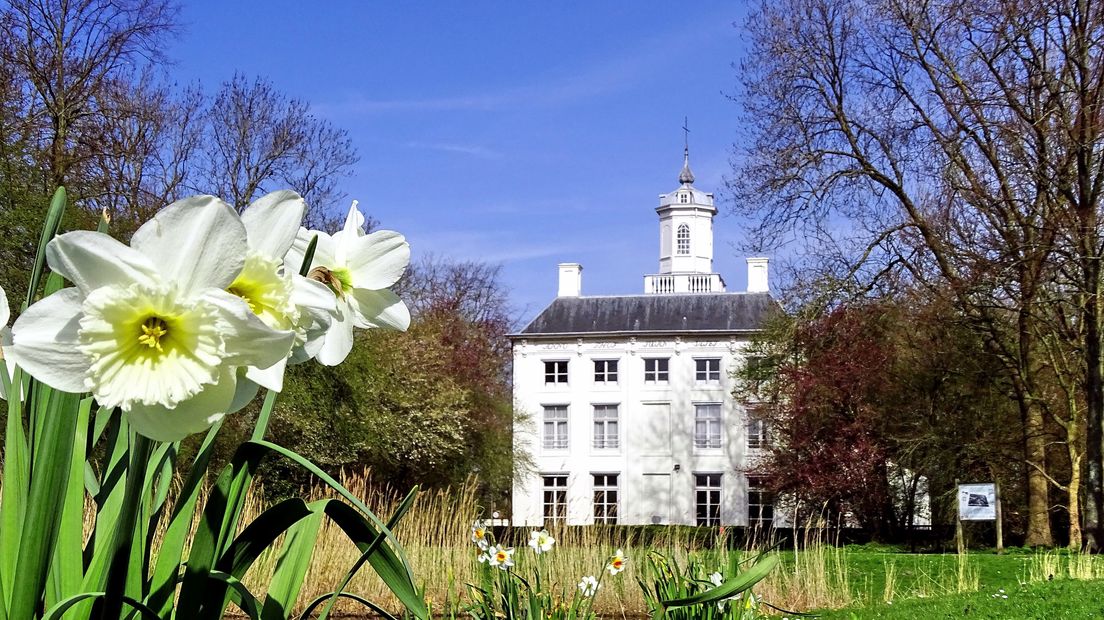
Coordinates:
<point>147,141</point>
<point>69,52</point>
<point>961,140</point>
<point>258,139</point>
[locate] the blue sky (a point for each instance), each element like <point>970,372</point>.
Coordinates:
<point>525,134</point>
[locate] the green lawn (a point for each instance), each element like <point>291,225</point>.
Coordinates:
<point>927,586</point>
<point>1049,600</point>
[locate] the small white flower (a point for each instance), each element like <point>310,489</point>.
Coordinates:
<point>358,268</point>
<point>617,563</point>
<point>541,541</point>
<point>479,536</point>
<point>501,557</point>
<point>1001,590</point>
<point>588,586</point>
<point>716,579</point>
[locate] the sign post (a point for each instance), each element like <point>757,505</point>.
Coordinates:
<point>978,502</point>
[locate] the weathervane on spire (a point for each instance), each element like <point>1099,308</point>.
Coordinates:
<point>686,177</point>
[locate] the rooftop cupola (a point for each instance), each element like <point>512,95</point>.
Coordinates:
<point>685,237</point>
<point>686,177</point>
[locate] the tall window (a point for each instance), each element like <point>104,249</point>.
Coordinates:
<point>605,371</point>
<point>555,427</point>
<point>707,370</point>
<point>760,502</point>
<point>555,497</point>
<point>605,498</point>
<point>605,427</point>
<point>756,432</point>
<point>707,425</point>
<point>682,239</point>
<point>656,369</point>
<point>707,498</point>
<point>555,372</point>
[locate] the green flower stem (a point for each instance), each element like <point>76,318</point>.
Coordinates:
<point>112,606</point>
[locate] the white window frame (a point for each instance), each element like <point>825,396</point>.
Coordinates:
<point>659,373</point>
<point>704,484</point>
<point>605,371</point>
<point>555,433</point>
<point>682,240</point>
<point>707,370</point>
<point>554,497</point>
<point>607,427</point>
<point>607,497</point>
<point>708,426</point>
<point>557,376</point>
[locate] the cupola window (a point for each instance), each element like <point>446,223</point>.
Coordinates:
<point>682,239</point>
<point>684,198</point>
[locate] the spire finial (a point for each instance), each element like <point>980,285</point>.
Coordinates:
<point>686,177</point>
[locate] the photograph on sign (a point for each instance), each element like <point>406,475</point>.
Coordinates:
<point>977,502</point>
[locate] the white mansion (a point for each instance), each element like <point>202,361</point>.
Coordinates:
<point>628,399</point>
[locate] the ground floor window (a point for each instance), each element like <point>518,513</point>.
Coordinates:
<point>707,498</point>
<point>760,503</point>
<point>605,498</point>
<point>555,497</point>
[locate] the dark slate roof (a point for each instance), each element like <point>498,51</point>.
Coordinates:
<point>717,312</point>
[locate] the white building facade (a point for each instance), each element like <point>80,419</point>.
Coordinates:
<point>625,402</point>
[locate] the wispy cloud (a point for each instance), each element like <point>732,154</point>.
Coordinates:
<point>473,150</point>
<point>487,246</point>
<point>614,74</point>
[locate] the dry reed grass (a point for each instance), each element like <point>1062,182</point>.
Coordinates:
<point>435,534</point>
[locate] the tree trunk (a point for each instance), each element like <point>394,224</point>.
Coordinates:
<point>1038,504</point>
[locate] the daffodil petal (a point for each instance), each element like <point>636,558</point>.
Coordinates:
<point>312,294</point>
<point>338,340</point>
<point>249,342</point>
<point>354,221</point>
<point>271,378</point>
<point>244,394</point>
<point>90,260</point>
<point>323,252</point>
<point>190,416</point>
<point>272,222</point>
<point>9,366</point>
<point>378,260</point>
<point>45,342</point>
<point>198,242</point>
<point>380,309</point>
<point>5,309</point>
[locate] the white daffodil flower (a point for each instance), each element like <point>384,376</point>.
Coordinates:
<point>149,327</point>
<point>501,557</point>
<point>541,541</point>
<point>358,268</point>
<point>281,299</point>
<point>616,563</point>
<point>479,536</point>
<point>588,586</point>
